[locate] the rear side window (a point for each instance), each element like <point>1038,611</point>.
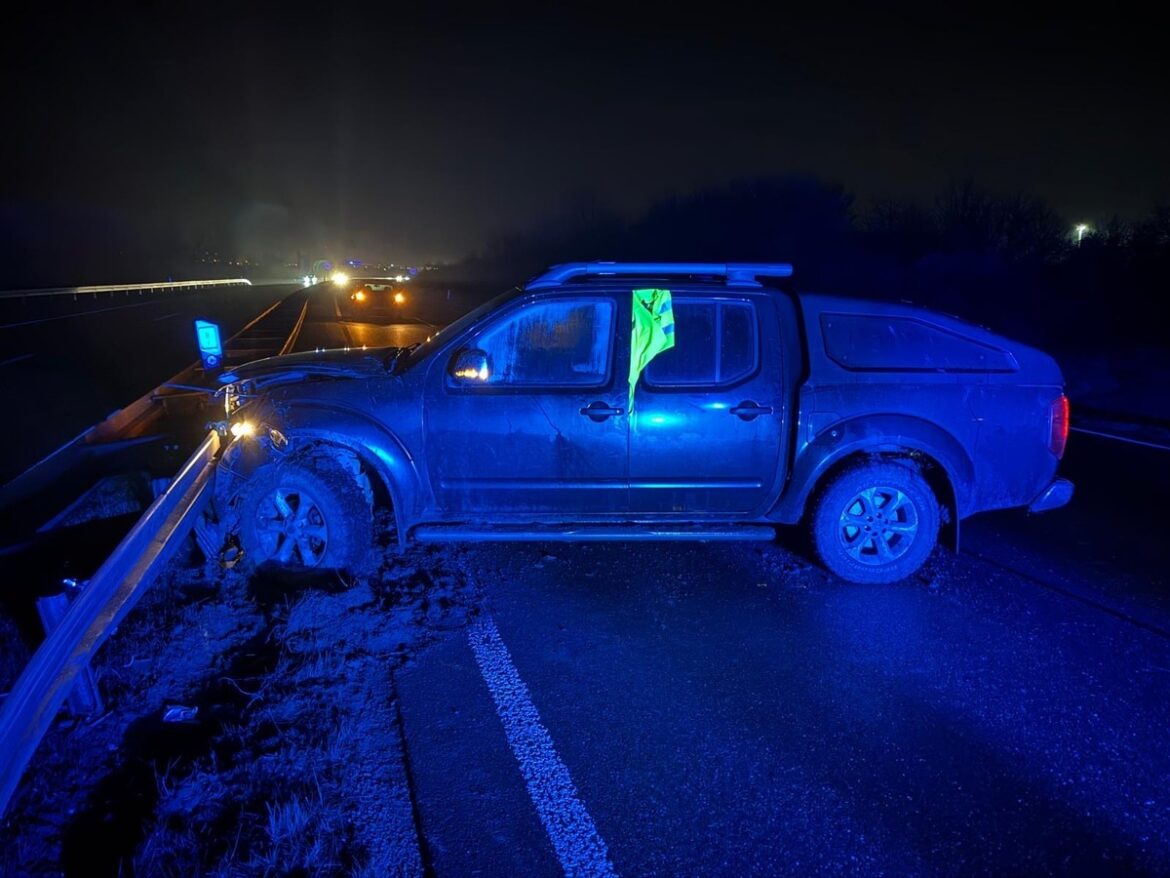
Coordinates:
<point>863,342</point>
<point>715,343</point>
<point>559,343</point>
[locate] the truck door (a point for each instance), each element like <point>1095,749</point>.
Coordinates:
<point>537,422</point>
<point>706,432</point>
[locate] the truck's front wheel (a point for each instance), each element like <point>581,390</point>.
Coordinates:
<point>876,523</point>
<point>305,514</point>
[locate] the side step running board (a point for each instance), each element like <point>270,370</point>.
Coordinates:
<point>597,533</point>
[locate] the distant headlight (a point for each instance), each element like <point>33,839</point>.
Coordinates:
<point>340,278</point>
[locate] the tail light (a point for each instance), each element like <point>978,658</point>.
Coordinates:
<point>1058,425</point>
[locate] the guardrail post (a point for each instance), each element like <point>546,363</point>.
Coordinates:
<point>36,696</point>
<point>84,699</point>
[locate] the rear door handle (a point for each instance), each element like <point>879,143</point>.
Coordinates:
<point>599,411</point>
<point>748,410</point>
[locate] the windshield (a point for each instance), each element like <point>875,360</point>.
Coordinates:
<point>421,351</point>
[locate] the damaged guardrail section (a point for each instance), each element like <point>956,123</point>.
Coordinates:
<point>112,592</point>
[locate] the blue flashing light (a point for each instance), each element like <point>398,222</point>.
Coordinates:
<point>210,346</point>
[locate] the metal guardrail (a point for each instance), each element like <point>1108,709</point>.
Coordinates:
<point>114,589</point>
<point>133,420</point>
<point>126,288</point>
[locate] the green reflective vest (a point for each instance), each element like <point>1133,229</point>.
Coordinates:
<point>653,332</point>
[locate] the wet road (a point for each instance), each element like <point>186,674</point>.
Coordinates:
<point>336,320</point>
<point>727,709</point>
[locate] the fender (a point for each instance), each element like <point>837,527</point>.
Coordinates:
<point>369,439</point>
<point>874,434</point>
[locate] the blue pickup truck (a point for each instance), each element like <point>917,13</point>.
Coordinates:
<point>879,426</point>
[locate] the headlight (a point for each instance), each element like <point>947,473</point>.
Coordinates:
<point>340,278</point>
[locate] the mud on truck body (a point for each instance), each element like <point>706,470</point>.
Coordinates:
<point>878,426</point>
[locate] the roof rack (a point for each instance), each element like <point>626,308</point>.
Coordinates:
<point>736,273</point>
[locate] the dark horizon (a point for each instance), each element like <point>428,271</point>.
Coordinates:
<point>358,132</point>
<point>806,518</point>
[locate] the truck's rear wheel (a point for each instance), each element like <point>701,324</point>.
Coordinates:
<point>306,513</point>
<point>876,523</point>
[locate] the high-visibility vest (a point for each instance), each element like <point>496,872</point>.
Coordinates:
<point>652,333</point>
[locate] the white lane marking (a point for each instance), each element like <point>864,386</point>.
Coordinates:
<point>164,317</point>
<point>1117,438</point>
<point>16,359</point>
<point>571,830</point>
<point>72,316</point>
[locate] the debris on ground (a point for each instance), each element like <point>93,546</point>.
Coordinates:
<point>177,713</point>
<point>252,728</point>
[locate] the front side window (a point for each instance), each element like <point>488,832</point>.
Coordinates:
<point>558,343</point>
<point>715,343</point>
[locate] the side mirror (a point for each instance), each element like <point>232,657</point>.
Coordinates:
<point>470,366</point>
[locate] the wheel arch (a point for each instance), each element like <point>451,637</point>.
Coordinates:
<point>938,455</point>
<point>380,452</point>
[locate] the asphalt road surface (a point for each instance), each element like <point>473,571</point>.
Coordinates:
<point>66,364</point>
<point>336,320</point>
<point>726,709</point>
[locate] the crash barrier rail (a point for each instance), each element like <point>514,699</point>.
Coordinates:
<point>153,286</point>
<point>134,419</point>
<point>110,594</point>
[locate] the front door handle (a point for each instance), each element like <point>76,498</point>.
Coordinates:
<point>748,410</point>
<point>599,411</point>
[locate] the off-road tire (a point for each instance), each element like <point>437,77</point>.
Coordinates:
<point>876,522</point>
<point>325,524</point>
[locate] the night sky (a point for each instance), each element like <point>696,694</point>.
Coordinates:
<point>340,129</point>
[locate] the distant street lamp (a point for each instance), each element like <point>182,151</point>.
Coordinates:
<point>1081,229</point>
